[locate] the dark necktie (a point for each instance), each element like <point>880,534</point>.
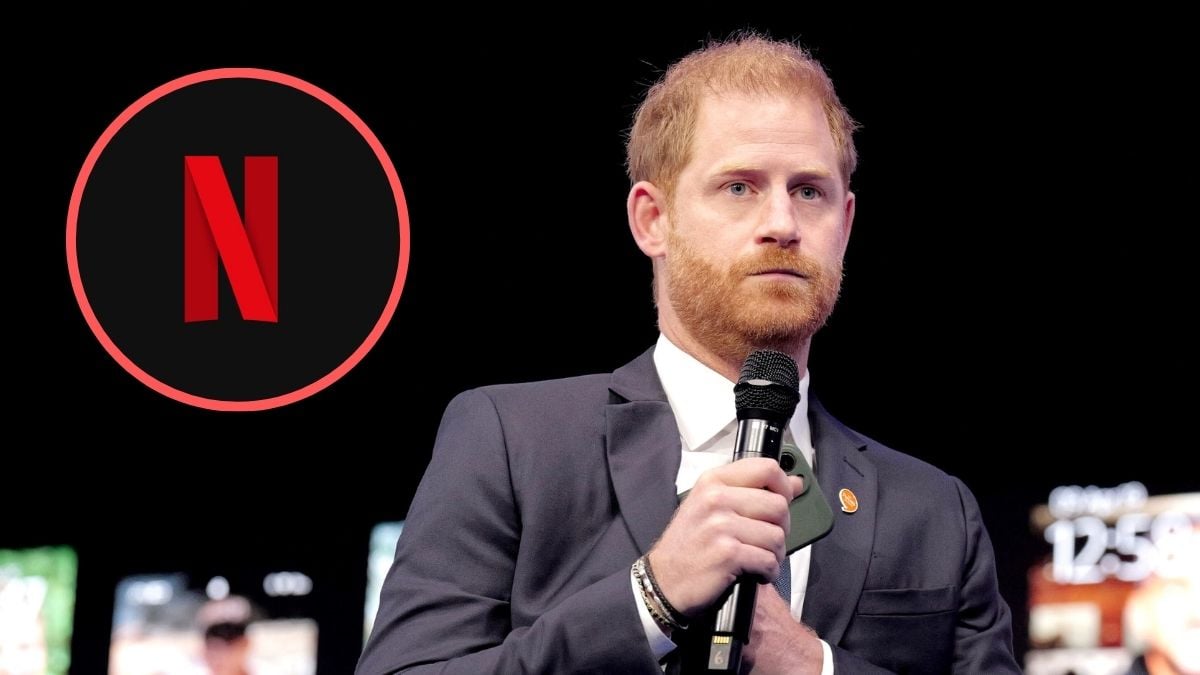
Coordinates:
<point>783,582</point>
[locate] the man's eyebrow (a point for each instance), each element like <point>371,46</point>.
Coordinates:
<point>749,170</point>
<point>725,169</point>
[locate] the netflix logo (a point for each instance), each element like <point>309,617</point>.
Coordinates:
<point>237,239</point>
<point>250,250</point>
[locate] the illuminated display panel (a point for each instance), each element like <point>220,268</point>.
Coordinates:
<point>379,560</point>
<point>1120,578</point>
<point>37,608</point>
<point>173,624</point>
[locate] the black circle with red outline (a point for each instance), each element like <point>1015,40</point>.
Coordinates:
<point>343,239</point>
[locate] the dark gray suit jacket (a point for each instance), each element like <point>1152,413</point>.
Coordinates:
<point>516,551</point>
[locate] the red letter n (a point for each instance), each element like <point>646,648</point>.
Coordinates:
<point>212,227</point>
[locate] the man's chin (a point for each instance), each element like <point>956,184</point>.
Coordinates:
<point>772,309</point>
<point>777,333</point>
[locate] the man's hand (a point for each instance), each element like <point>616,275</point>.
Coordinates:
<point>728,526</point>
<point>779,643</point>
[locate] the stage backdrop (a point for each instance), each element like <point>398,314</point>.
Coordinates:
<point>1016,287</point>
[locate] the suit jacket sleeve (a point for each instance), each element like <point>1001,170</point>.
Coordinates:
<point>445,605</point>
<point>983,633</point>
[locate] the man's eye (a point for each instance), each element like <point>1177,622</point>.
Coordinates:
<point>739,189</point>
<point>809,192</point>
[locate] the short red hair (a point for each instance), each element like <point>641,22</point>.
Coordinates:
<point>660,140</point>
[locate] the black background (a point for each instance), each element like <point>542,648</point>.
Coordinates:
<point>1015,310</point>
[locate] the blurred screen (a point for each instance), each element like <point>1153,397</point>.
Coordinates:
<point>249,621</point>
<point>37,605</point>
<point>379,560</point>
<point>1119,585</point>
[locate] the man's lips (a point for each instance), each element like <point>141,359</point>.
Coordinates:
<point>780,271</point>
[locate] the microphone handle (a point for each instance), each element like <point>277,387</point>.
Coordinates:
<point>756,437</point>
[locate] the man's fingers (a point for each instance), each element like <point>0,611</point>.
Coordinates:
<point>759,562</point>
<point>755,472</point>
<point>796,483</point>
<point>763,536</point>
<point>759,504</point>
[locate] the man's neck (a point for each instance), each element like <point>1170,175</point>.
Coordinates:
<point>731,368</point>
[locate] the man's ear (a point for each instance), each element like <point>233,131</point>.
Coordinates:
<point>849,214</point>
<point>648,219</point>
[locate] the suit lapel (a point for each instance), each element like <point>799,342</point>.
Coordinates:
<point>839,561</point>
<point>642,442</point>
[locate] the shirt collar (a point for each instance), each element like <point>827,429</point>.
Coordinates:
<point>702,399</point>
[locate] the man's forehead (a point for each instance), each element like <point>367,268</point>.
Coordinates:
<point>746,123</point>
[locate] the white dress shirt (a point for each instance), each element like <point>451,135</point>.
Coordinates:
<point>703,403</point>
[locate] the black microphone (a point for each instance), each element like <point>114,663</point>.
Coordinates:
<point>766,395</point>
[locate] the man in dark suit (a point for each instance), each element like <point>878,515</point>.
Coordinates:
<point>547,536</point>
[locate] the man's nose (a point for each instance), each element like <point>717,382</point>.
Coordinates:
<point>780,224</point>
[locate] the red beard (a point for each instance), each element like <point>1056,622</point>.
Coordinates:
<point>731,313</point>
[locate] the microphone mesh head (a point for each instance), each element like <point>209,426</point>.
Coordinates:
<point>769,381</point>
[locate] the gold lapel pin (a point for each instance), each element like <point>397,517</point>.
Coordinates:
<point>848,500</point>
